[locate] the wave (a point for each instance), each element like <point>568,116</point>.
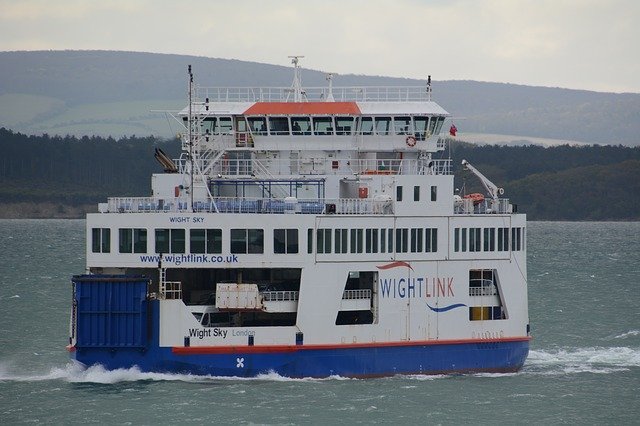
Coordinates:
<point>631,333</point>
<point>582,360</point>
<point>76,373</point>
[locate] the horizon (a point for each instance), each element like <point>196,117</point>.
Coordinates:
<point>530,43</point>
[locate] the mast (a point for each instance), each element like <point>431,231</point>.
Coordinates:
<point>296,86</point>
<point>191,136</point>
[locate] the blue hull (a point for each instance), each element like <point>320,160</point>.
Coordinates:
<point>346,362</point>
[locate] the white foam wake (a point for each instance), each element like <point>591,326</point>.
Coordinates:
<point>579,360</point>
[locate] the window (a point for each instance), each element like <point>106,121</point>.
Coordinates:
<point>383,240</point>
<point>503,239</point>
<point>285,241</point>
<point>205,241</point>
<point>309,240</point>
<point>489,239</point>
<point>366,125</point>
<point>278,125</point>
<point>464,239</point>
<point>101,240</point>
<point>170,241</point>
<point>245,241</point>
<point>515,239</point>
<point>421,127</point>
<point>323,125</point>
<point>456,239</point>
<point>402,125</point>
<point>344,125</point>
<point>474,239</point>
<point>209,126</point>
<point>431,240</point>
<point>383,125</point>
<point>434,193</point>
<point>323,240</point>
<point>341,242</point>
<point>301,125</point>
<point>356,240</point>
<point>416,193</point>
<point>132,240</point>
<point>371,240</point>
<point>225,125</point>
<point>390,240</point>
<point>402,240</point>
<point>416,240</point>
<point>258,125</point>
<point>399,193</point>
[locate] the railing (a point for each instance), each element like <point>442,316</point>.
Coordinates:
<point>356,294</point>
<point>483,291</point>
<point>251,205</point>
<point>279,296</point>
<point>268,168</point>
<point>171,290</point>
<point>487,206</point>
<point>340,94</point>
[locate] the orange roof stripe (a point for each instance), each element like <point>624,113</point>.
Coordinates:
<point>303,108</point>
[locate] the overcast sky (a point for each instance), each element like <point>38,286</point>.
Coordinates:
<point>581,44</point>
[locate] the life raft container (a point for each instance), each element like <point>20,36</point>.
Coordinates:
<point>476,197</point>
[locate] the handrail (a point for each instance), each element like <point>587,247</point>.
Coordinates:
<point>320,94</point>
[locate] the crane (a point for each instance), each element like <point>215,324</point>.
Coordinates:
<point>492,190</point>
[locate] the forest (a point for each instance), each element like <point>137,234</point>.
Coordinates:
<point>55,176</point>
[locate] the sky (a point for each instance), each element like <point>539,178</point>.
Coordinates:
<point>577,44</point>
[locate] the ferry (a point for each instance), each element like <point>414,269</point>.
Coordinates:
<point>307,232</point>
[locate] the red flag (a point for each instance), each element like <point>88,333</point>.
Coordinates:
<point>453,130</point>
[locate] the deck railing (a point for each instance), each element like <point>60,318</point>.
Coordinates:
<point>340,94</point>
<point>356,294</point>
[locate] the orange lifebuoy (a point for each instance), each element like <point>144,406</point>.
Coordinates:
<point>476,197</point>
<point>411,141</point>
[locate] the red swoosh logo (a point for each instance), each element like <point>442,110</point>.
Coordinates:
<point>395,265</point>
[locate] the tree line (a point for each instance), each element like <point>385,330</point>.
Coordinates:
<point>558,183</point>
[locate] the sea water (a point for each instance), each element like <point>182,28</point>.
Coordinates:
<point>583,368</point>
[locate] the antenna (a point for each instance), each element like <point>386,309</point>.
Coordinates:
<point>191,133</point>
<point>330,95</point>
<point>296,86</point>
<point>429,88</point>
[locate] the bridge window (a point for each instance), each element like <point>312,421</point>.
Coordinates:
<point>383,125</point>
<point>285,241</point>
<point>205,241</point>
<point>209,125</point>
<point>132,240</point>
<point>434,193</point>
<point>399,193</point>
<point>474,239</point>
<point>245,241</point>
<point>344,125</point>
<point>278,125</point>
<point>323,125</point>
<point>101,240</point>
<point>402,125</point>
<point>170,240</point>
<point>416,193</point>
<point>421,127</point>
<point>258,125</point>
<point>366,125</point>
<point>225,125</point>
<point>301,125</point>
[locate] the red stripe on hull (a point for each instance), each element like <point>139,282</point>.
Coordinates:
<point>202,350</point>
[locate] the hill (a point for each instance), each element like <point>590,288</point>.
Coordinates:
<point>54,176</point>
<point>111,93</point>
